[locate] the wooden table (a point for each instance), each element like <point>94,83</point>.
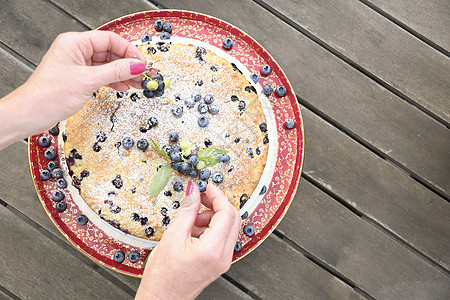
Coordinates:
<point>371,218</point>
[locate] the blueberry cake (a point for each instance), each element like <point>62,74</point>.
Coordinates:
<point>131,154</point>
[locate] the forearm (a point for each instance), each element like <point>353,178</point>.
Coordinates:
<point>20,116</point>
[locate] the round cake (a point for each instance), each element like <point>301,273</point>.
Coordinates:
<point>131,154</point>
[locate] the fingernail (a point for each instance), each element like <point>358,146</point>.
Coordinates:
<point>137,68</point>
<point>189,188</point>
<point>189,199</point>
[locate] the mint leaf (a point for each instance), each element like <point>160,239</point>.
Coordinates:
<point>160,180</point>
<point>210,156</point>
<point>159,149</point>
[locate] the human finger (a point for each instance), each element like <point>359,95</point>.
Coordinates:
<point>205,200</point>
<point>119,86</point>
<point>197,231</point>
<point>204,218</point>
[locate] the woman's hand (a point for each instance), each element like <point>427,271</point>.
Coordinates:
<point>74,67</point>
<point>196,248</point>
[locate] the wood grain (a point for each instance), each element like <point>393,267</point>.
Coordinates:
<point>369,257</point>
<point>429,18</point>
<point>27,254</point>
<point>381,47</point>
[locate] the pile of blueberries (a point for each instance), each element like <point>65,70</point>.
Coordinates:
<point>203,107</point>
<point>154,83</point>
<point>187,162</point>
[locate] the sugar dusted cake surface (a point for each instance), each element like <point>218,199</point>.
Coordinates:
<point>115,182</point>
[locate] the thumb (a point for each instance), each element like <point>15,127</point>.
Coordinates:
<point>187,213</point>
<point>116,71</point>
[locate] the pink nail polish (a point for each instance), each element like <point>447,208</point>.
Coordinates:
<point>137,68</point>
<point>189,188</point>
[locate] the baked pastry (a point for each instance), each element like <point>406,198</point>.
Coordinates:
<point>210,111</point>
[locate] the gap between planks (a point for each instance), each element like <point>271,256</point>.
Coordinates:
<point>350,62</point>
<point>71,250</point>
<point>4,291</point>
<point>370,220</point>
<point>405,27</point>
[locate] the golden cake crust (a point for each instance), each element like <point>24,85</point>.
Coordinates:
<point>99,164</point>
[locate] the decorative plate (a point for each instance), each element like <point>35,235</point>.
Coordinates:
<point>101,241</point>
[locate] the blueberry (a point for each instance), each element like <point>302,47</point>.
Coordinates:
<point>164,36</point>
<point>202,108</point>
<point>194,153</point>
<point>175,157</point>
<point>214,108</point>
<point>254,77</point>
<point>143,129</point>
<point>208,98</point>
<point>203,121</point>
<point>159,25</point>
<point>193,160</point>
<point>117,182</point>
<point>96,147</point>
<point>167,148</point>
<point>61,206</point>
<point>178,186</point>
<point>263,127</point>
<point>224,158</point>
<point>175,165</point>
<point>45,175</point>
<point>144,84</point>
<point>159,93</point>
<point>61,183</point>
<point>44,141</point>
<point>205,174</point>
<point>57,173</point>
<point>207,142</point>
<point>146,38</point>
<point>134,97</point>
<point>202,186</point>
<point>184,168</point>
<point>196,96</point>
<point>176,148</point>
<point>237,247</point>
<point>193,172</point>
<point>149,94</point>
<point>144,221</point>
<point>82,219</point>
<point>160,85</point>
<point>142,144</point>
<point>57,196</point>
<point>166,220</point>
<point>135,217</point>
<point>265,70</point>
<point>227,43</point>
<point>173,137</point>
<point>167,27</point>
<point>241,105</point>
<point>189,102</point>
<point>177,111</point>
<point>280,90</point>
<point>119,256</point>
<point>133,256</point>
<point>176,204</point>
<point>217,177</point>
<point>249,230</point>
<point>263,190</point>
<point>267,89</point>
<point>101,136</point>
<point>289,124</point>
<point>127,142</point>
<point>115,209</point>
<point>54,131</point>
<point>52,165</point>
<point>244,215</point>
<point>153,121</point>
<point>149,232</point>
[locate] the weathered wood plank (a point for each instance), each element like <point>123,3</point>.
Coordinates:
<point>368,256</point>
<point>222,289</point>
<point>88,11</point>
<point>12,73</point>
<point>378,45</point>
<point>50,271</point>
<point>429,18</point>
<point>342,93</point>
<point>275,270</point>
<point>29,27</point>
<point>377,189</point>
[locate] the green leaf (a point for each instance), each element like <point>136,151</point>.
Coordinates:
<point>210,156</point>
<point>159,149</point>
<point>160,180</point>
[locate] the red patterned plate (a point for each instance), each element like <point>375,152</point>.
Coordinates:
<point>99,242</point>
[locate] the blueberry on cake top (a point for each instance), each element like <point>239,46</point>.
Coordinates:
<point>197,118</point>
